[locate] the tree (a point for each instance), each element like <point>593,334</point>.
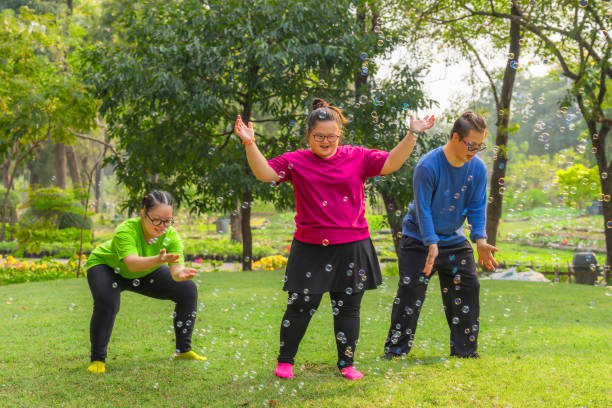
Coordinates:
<point>179,74</point>
<point>578,185</point>
<point>40,98</point>
<point>575,36</point>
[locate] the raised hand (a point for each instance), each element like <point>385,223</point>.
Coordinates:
<point>183,273</point>
<point>422,125</point>
<point>245,133</point>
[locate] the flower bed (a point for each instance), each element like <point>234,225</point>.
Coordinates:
<point>14,270</point>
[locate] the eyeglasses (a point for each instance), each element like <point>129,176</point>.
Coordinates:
<point>475,147</point>
<point>158,223</point>
<point>330,138</point>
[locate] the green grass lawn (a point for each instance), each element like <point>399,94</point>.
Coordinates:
<point>544,345</point>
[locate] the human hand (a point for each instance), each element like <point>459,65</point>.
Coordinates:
<point>431,258</point>
<point>246,134</point>
<point>485,254</point>
<point>422,125</point>
<point>168,258</point>
<point>184,273</point>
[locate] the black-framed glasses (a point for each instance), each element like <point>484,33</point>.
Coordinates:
<point>475,147</point>
<point>330,138</point>
<point>158,223</point>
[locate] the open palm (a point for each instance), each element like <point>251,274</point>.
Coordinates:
<point>245,133</point>
<point>421,125</point>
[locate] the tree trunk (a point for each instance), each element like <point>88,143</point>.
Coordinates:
<point>395,222</point>
<point>494,207</point>
<point>247,238</point>
<point>235,226</point>
<point>98,187</point>
<point>606,185</point>
<point>247,196</point>
<point>5,173</point>
<point>73,166</point>
<point>60,165</point>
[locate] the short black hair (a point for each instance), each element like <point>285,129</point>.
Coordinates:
<point>466,122</point>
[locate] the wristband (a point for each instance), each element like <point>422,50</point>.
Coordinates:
<point>416,132</point>
<point>248,142</point>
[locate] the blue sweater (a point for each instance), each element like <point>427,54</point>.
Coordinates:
<point>443,197</point>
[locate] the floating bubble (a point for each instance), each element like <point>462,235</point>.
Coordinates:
<point>472,338</point>
<point>348,290</point>
<point>349,272</point>
<point>179,324</point>
<point>455,320</point>
<point>604,175</point>
<point>308,274</point>
<point>325,242</point>
<point>458,301</point>
<point>364,55</point>
<point>465,309</point>
<point>418,303</point>
<point>345,199</point>
<point>136,282</point>
<point>328,268</point>
<point>457,279</point>
<point>408,310</point>
<point>397,300</point>
<point>406,280</point>
<point>286,323</point>
<point>114,285</point>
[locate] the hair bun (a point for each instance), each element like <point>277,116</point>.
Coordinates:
<point>319,103</point>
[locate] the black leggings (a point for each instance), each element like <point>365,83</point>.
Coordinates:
<point>301,308</point>
<point>106,287</point>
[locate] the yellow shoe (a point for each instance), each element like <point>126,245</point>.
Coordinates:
<point>188,355</point>
<point>96,367</point>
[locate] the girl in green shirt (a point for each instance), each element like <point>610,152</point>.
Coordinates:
<point>136,260</point>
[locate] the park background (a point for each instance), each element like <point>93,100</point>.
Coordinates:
<point>102,101</point>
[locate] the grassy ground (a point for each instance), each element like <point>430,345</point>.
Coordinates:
<point>545,345</point>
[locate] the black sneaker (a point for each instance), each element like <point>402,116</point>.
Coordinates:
<point>390,356</point>
<point>473,355</point>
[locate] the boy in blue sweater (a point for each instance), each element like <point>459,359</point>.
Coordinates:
<point>449,185</point>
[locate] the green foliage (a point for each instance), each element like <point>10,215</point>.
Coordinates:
<point>74,220</point>
<point>578,185</point>
<point>13,203</point>
<point>223,248</point>
<point>43,220</point>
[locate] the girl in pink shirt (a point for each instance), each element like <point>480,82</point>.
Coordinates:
<point>331,250</point>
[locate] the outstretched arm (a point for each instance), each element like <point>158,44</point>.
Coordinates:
<point>401,152</point>
<point>258,163</point>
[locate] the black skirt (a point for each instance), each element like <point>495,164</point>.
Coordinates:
<point>351,267</point>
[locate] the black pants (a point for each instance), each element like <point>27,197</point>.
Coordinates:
<point>460,290</point>
<point>106,287</point>
<point>300,309</point>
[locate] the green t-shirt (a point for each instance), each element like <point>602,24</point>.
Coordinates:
<point>128,240</point>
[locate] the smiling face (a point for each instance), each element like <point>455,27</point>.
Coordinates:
<point>160,213</point>
<point>319,138</point>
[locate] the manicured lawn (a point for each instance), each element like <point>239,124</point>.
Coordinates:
<point>544,345</point>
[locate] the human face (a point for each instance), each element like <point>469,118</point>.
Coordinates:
<point>160,214</point>
<point>324,130</point>
<point>466,149</point>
